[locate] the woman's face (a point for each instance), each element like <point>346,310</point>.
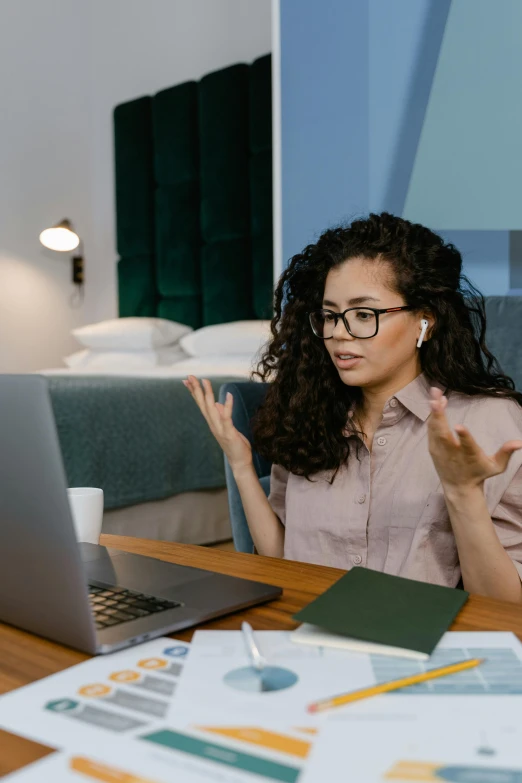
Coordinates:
<point>391,358</point>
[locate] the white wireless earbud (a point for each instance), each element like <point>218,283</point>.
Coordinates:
<point>424,329</point>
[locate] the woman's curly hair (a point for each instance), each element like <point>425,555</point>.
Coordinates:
<point>303,422</point>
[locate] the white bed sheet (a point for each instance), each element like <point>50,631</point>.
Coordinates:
<point>200,367</point>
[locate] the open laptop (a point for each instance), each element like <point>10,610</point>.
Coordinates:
<point>85,596</point>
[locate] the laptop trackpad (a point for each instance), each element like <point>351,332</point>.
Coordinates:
<point>145,574</point>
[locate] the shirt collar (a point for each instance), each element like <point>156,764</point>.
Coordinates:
<point>416,396</point>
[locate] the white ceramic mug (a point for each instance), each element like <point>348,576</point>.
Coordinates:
<point>87,512</point>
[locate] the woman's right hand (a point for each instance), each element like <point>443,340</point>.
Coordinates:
<point>219,418</point>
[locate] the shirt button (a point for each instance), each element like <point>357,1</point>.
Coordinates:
<point>393,403</point>
<point>381,441</point>
<point>361,498</point>
<point>357,559</point>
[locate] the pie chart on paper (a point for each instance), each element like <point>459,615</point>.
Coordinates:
<point>271,678</point>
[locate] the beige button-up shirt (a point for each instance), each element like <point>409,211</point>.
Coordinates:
<point>386,510</point>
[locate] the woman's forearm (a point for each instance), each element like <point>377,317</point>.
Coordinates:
<point>486,567</point>
<point>265,526</point>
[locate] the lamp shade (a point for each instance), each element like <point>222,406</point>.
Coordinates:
<point>60,237</point>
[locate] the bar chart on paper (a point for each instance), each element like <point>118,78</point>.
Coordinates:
<point>500,674</point>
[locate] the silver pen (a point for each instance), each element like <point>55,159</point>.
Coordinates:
<point>258,661</point>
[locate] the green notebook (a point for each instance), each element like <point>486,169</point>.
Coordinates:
<point>373,608</point>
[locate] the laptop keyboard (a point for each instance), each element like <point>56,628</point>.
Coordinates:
<point>115,605</point>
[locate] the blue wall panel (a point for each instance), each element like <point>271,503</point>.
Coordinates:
<point>403,46</point>
<point>324,105</point>
<point>356,80</point>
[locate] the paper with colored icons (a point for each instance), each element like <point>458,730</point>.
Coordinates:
<point>114,720</point>
<point>119,695</point>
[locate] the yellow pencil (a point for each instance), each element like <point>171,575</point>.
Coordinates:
<point>384,687</point>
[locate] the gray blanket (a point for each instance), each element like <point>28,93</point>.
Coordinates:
<point>139,439</point>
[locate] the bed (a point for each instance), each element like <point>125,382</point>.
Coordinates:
<point>138,434</point>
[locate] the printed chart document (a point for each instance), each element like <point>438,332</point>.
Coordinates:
<point>377,747</point>
<point>218,672</point>
<point>109,696</point>
<point>112,717</point>
<point>135,713</point>
<point>464,727</point>
<point>124,761</point>
<point>195,754</point>
<point>272,747</point>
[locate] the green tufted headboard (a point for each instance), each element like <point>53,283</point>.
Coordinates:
<point>193,167</point>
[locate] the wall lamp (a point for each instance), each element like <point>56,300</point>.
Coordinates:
<point>63,238</point>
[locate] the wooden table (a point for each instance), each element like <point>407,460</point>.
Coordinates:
<point>25,658</point>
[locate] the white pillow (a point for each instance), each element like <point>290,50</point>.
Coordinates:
<point>130,334</point>
<point>245,338</point>
<point>124,360</point>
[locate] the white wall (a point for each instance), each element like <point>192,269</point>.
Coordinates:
<point>65,64</point>
<point>44,166</point>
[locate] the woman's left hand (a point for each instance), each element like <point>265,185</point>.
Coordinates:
<point>459,461</point>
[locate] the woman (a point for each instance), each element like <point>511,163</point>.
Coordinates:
<point>377,350</point>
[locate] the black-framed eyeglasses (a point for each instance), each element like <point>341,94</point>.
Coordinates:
<point>360,322</point>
